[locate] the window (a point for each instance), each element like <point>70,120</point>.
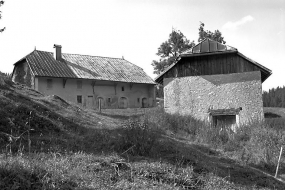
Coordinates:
<point>109,100</point>
<point>79,99</point>
<point>138,100</point>
<point>79,84</point>
<point>224,120</point>
<point>123,89</point>
<point>49,83</point>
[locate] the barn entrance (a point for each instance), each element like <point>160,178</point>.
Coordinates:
<point>123,103</point>
<point>144,103</point>
<point>100,102</point>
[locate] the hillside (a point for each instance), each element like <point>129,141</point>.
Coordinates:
<point>74,148</point>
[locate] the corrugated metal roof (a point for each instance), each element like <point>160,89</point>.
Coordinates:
<point>43,64</point>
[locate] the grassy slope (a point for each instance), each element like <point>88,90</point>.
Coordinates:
<point>61,130</point>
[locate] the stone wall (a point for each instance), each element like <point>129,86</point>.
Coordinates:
<point>196,95</point>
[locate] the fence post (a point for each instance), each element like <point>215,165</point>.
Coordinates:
<point>278,161</point>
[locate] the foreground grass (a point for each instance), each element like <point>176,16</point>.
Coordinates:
<point>256,144</point>
<point>88,171</point>
<point>78,149</point>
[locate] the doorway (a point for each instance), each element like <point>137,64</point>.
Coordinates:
<point>89,103</point>
<point>123,103</point>
<point>144,103</point>
<point>100,102</point>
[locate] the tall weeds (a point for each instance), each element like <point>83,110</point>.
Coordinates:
<point>255,143</point>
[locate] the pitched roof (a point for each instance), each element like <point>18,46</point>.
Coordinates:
<point>210,47</point>
<point>43,64</point>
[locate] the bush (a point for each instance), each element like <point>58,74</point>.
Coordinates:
<point>136,138</point>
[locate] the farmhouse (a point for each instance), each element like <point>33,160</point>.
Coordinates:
<point>86,80</point>
<point>216,83</point>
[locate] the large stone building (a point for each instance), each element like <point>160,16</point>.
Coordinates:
<point>86,80</point>
<point>216,83</point>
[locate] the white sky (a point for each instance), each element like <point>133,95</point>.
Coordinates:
<point>136,28</point>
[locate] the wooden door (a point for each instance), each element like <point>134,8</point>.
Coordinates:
<point>89,103</point>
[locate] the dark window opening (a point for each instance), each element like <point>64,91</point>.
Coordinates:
<point>224,120</point>
<point>79,99</point>
<point>138,100</point>
<point>123,89</point>
<point>109,100</point>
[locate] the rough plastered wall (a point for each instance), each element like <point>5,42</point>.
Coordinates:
<point>22,74</point>
<point>112,95</point>
<point>195,95</point>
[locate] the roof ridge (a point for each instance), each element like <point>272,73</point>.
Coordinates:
<point>84,55</point>
<point>97,56</point>
<point>25,56</point>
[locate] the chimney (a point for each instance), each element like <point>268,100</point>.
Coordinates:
<point>57,52</point>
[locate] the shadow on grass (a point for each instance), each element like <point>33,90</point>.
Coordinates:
<point>205,160</point>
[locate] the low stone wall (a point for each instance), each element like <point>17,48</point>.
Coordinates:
<point>196,95</point>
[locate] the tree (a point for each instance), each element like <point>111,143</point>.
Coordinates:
<point>1,3</point>
<point>170,50</point>
<point>217,35</point>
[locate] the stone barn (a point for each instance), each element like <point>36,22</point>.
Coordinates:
<point>214,82</point>
<point>86,80</point>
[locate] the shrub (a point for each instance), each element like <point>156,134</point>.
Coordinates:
<point>137,138</point>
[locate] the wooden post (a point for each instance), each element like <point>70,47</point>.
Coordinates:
<point>278,161</point>
<point>99,105</point>
<point>29,138</point>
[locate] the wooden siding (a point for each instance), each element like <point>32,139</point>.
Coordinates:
<point>211,65</point>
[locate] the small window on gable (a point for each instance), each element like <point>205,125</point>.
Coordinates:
<point>123,88</point>
<point>79,99</point>
<point>79,84</point>
<point>49,83</point>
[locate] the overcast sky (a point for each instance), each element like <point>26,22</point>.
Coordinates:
<point>135,29</point>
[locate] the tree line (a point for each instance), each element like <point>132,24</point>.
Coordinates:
<point>275,97</point>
